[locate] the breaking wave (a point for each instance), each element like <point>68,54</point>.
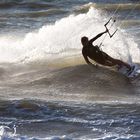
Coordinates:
<point>62,39</point>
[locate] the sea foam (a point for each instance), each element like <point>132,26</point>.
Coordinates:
<point>62,39</point>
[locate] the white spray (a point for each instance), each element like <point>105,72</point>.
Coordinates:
<point>63,39</point>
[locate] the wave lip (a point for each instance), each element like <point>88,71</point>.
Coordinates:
<point>63,39</point>
<point>22,4</point>
<point>35,14</point>
<point>126,6</point>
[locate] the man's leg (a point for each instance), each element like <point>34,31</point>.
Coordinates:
<point>109,63</point>
<point>118,62</point>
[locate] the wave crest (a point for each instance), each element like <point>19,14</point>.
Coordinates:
<point>63,39</point>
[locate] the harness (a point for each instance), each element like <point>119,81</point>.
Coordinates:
<point>99,51</point>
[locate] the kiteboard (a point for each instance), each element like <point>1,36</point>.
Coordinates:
<point>131,73</point>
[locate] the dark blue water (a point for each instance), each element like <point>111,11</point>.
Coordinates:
<point>28,15</point>
<point>47,91</point>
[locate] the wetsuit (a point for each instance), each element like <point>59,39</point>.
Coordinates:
<point>94,53</point>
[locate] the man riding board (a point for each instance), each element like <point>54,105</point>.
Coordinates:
<point>94,53</point>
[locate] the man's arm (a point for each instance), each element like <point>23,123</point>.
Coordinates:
<point>96,37</point>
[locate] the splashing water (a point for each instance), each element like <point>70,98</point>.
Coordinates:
<point>63,39</point>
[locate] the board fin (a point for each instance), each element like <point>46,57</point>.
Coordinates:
<point>129,72</point>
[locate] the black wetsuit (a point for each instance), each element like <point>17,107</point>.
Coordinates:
<point>94,53</point>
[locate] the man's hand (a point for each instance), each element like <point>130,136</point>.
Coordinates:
<point>106,30</point>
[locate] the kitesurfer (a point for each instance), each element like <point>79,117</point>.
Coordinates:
<point>93,52</point>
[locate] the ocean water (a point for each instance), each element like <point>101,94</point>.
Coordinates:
<point>47,91</point>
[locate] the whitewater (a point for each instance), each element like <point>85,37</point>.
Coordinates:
<point>47,91</point>
<point>62,39</point>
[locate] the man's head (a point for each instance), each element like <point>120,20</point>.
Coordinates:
<point>84,40</point>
